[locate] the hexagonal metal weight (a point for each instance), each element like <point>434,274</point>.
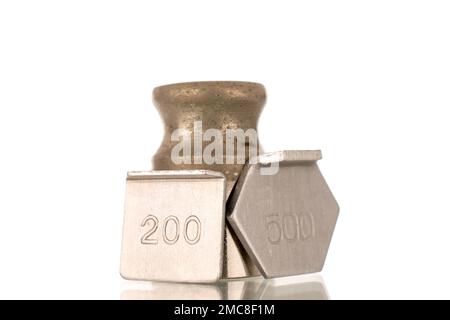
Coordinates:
<point>284,213</point>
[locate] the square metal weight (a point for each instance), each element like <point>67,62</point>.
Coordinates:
<point>174,226</point>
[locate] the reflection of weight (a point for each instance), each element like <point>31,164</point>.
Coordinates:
<point>290,227</point>
<point>192,222</point>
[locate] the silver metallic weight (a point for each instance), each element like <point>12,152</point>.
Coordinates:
<point>173,226</point>
<point>285,220</point>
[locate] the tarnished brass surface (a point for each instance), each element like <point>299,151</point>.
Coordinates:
<point>219,105</point>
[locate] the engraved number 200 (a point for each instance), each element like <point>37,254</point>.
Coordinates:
<point>151,221</point>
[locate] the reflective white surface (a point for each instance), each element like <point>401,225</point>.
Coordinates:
<point>296,288</point>
<point>367,82</point>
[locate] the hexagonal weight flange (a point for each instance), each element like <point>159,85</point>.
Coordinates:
<point>284,220</point>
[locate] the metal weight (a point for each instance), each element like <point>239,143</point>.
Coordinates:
<point>285,220</point>
<point>174,226</point>
<point>194,107</point>
<point>280,213</point>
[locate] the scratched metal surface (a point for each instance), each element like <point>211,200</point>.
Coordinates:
<point>174,226</point>
<point>286,220</point>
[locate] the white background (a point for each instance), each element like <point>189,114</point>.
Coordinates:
<point>368,82</point>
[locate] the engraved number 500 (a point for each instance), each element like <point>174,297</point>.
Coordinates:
<point>152,222</point>
<point>290,227</point>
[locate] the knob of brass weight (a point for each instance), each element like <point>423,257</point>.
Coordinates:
<point>218,105</point>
